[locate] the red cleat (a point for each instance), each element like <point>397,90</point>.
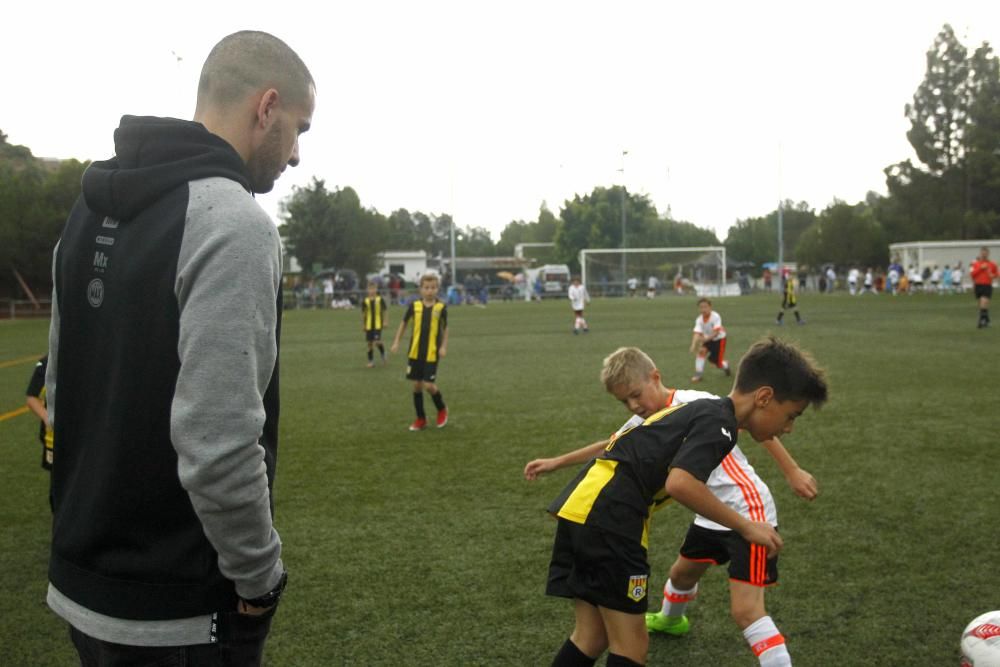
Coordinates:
<point>442,418</point>
<point>418,424</point>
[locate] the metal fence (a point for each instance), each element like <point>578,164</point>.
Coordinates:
<point>15,309</point>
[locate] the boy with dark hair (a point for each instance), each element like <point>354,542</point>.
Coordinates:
<point>600,554</point>
<point>428,344</point>
<point>374,318</point>
<point>708,340</point>
<point>631,376</point>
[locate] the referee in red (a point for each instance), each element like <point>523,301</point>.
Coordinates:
<point>984,272</point>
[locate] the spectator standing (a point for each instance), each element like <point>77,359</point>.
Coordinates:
<point>163,542</point>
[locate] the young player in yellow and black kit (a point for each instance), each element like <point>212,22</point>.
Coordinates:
<point>788,299</point>
<point>35,400</point>
<point>599,558</point>
<point>374,319</point>
<point>428,344</point>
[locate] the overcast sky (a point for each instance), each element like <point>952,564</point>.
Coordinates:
<point>487,109</point>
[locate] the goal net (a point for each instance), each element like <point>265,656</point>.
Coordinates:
<point>617,272</point>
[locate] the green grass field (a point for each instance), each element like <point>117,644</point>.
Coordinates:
<point>430,549</point>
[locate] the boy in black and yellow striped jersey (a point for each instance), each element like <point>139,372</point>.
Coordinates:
<point>599,559</point>
<point>428,345</point>
<point>374,317</point>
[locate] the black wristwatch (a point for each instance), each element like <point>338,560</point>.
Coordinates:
<point>269,599</point>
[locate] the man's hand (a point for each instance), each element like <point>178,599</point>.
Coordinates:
<point>247,610</point>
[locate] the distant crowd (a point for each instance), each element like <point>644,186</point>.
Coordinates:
<point>893,279</point>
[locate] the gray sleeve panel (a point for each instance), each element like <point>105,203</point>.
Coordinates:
<point>228,274</point>
<point>50,370</point>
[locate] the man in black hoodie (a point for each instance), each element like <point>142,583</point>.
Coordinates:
<point>163,374</point>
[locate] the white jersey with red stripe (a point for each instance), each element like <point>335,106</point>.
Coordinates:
<point>734,482</point>
<point>710,327</point>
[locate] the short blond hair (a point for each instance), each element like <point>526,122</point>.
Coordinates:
<point>429,276</point>
<point>626,366</point>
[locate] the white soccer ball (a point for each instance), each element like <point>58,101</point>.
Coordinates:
<point>981,641</point>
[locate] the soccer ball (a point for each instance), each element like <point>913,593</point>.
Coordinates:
<point>981,641</point>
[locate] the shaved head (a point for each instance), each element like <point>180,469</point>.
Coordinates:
<point>250,61</point>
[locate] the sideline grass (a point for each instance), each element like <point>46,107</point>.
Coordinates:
<point>429,549</point>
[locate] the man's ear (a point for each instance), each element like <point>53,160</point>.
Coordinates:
<point>266,107</point>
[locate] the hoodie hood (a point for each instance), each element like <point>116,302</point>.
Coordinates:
<point>153,156</point>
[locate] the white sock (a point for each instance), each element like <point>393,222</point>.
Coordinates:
<point>675,600</point>
<point>699,365</point>
<point>767,643</point>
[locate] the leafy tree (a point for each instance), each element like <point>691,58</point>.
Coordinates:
<point>401,231</point>
<point>982,140</point>
<point>844,235</point>
<point>542,230</point>
<point>939,110</point>
<point>755,240</point>
<point>954,191</point>
<point>595,221</point>
<point>474,242</point>
<point>331,229</point>
<point>35,200</point>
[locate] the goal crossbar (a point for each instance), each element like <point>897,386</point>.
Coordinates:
<point>720,251</point>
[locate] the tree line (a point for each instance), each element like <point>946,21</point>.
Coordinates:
<point>952,191</point>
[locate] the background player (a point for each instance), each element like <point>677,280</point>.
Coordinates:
<point>374,318</point>
<point>428,344</point>
<point>788,299</point>
<point>35,400</point>
<point>708,340</point>
<point>578,297</point>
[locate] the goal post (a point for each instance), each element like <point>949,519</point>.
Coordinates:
<point>608,271</point>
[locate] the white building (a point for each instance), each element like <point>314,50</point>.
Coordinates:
<point>921,254</point>
<point>409,264</point>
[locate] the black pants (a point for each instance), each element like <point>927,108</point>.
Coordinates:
<point>240,643</point>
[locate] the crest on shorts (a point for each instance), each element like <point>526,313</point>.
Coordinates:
<point>637,586</point>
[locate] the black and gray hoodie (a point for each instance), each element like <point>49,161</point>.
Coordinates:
<point>163,390</point>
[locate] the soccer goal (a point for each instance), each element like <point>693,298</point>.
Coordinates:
<point>653,271</point>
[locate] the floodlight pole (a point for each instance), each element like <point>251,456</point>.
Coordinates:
<point>624,241</point>
<point>781,244</point>
<point>454,276</point>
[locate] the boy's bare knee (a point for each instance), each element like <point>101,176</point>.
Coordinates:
<point>746,614</point>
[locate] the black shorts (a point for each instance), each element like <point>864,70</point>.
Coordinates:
<point>418,369</point>
<point>747,562</point>
<point>983,291</point>
<point>373,335</point>
<point>716,350</point>
<point>598,567</point>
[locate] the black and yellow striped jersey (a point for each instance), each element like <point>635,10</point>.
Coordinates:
<point>619,490</point>
<point>373,311</point>
<point>788,297</point>
<point>429,323</point>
